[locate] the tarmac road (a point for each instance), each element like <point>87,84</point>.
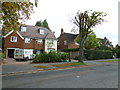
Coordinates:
<point>99,76</point>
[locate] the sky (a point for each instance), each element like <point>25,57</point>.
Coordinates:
<point>59,13</point>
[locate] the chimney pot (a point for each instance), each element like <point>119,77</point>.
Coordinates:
<point>61,30</point>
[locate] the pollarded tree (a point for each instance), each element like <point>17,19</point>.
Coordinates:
<point>85,21</point>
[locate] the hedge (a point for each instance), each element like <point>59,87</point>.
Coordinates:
<point>118,53</point>
<point>98,54</point>
<point>94,54</point>
<point>70,49</point>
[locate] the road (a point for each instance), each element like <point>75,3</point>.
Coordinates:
<point>99,76</point>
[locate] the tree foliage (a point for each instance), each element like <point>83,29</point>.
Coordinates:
<point>43,24</point>
<point>91,41</point>
<point>85,21</point>
<point>14,14</point>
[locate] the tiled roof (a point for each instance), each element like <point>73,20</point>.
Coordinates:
<point>32,32</point>
<point>70,37</point>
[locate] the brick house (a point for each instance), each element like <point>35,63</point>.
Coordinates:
<point>31,38</point>
<point>66,40</point>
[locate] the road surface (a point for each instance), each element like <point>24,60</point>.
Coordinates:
<point>99,76</point>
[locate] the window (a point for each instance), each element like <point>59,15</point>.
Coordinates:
<point>23,29</point>
<point>42,31</point>
<point>13,39</point>
<point>65,42</point>
<point>50,41</point>
<point>76,43</point>
<point>39,41</point>
<point>27,40</point>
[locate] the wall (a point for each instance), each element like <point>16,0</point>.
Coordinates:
<point>61,40</point>
<point>53,46</point>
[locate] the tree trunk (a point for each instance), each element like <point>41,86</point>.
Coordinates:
<point>81,51</point>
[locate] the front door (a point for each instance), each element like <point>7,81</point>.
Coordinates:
<point>11,53</point>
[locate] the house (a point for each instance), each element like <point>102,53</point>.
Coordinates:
<point>105,42</point>
<point>66,40</point>
<point>32,39</point>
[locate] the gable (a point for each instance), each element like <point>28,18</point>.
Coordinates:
<point>12,32</point>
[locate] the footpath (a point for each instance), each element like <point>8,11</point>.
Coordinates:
<point>14,67</point>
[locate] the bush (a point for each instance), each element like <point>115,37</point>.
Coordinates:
<point>98,54</point>
<point>70,49</point>
<point>1,56</point>
<point>118,53</point>
<point>50,57</point>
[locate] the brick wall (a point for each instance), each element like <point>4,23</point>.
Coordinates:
<point>61,40</point>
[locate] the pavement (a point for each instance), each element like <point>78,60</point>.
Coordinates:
<point>16,67</point>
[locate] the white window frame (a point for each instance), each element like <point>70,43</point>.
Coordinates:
<point>27,40</point>
<point>23,29</point>
<point>39,41</point>
<point>42,31</point>
<point>13,40</point>
<point>65,42</point>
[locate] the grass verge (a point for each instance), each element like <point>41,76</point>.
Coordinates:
<point>41,66</point>
<point>115,60</point>
<point>68,64</point>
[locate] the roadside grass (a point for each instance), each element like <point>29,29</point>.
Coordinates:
<point>115,60</point>
<point>68,64</point>
<point>41,66</point>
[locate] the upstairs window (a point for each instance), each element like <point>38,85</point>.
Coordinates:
<point>13,39</point>
<point>41,31</point>
<point>23,29</point>
<point>65,42</point>
<point>39,41</point>
<point>27,40</point>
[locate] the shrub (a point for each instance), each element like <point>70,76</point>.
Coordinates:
<point>1,56</point>
<point>64,56</point>
<point>98,54</point>
<point>70,49</point>
<point>50,57</point>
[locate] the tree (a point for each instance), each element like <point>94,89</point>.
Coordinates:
<point>85,21</point>
<point>43,24</point>
<point>91,41</point>
<point>38,23</point>
<point>14,14</point>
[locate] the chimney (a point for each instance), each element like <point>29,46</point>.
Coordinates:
<point>61,30</point>
<point>53,32</point>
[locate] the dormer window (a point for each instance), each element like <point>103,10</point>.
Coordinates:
<point>41,31</point>
<point>23,29</point>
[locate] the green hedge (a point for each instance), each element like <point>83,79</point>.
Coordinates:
<point>98,54</point>
<point>50,57</point>
<point>118,53</point>
<point>94,54</point>
<point>70,49</point>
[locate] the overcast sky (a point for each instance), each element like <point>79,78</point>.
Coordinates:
<point>59,13</point>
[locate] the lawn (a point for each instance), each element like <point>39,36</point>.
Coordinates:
<point>115,60</point>
<point>41,66</point>
<point>68,64</point>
